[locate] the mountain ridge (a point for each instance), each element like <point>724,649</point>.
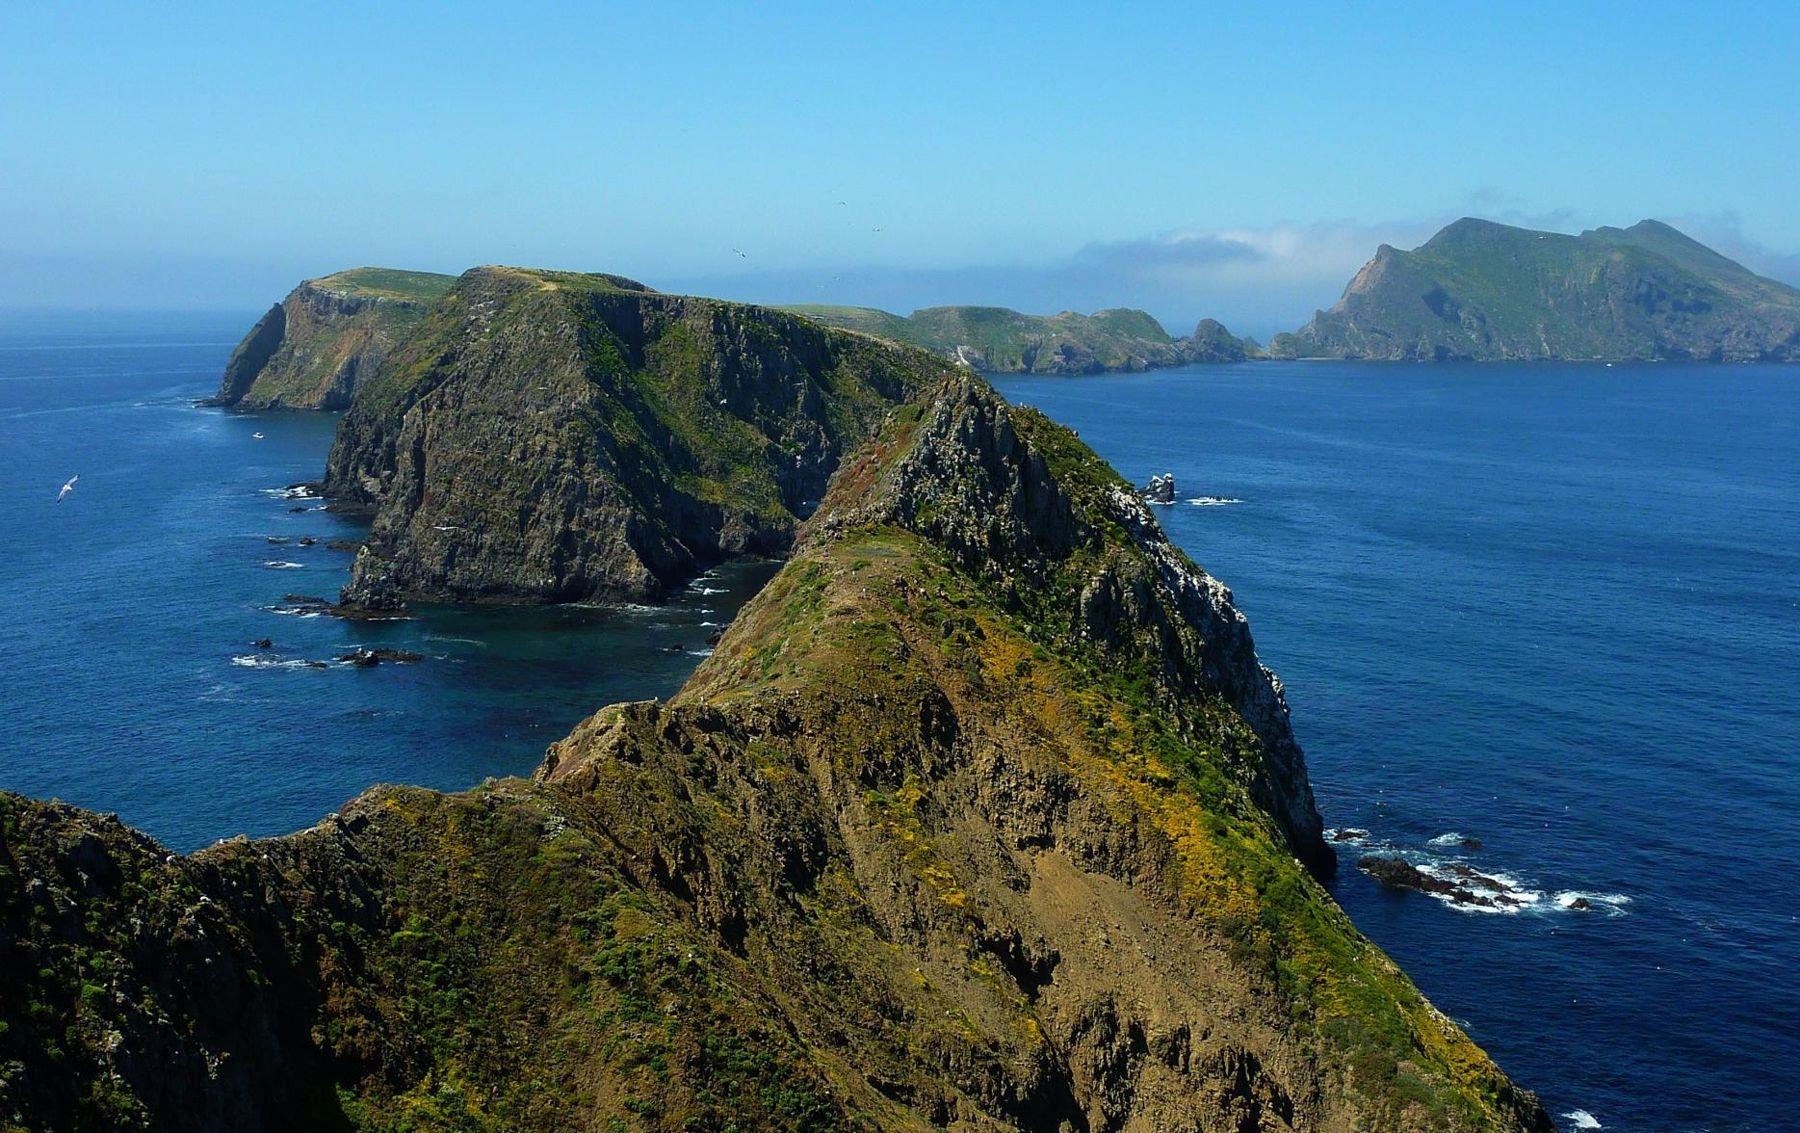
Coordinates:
<point>1483,291</point>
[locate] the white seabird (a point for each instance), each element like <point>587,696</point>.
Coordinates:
<point>67,488</point>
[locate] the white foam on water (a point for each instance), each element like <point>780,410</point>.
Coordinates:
<point>251,661</point>
<point>1214,501</point>
<point>277,564</point>
<point>710,625</point>
<point>1582,1119</point>
<point>295,611</point>
<point>1613,903</point>
<point>698,652</point>
<point>1454,838</point>
<point>710,590</point>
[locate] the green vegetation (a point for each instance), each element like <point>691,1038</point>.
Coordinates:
<point>388,283</point>
<point>313,349</point>
<point>998,340</point>
<point>1485,291</point>
<point>586,437</point>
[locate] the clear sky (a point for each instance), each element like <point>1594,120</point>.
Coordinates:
<point>1190,159</point>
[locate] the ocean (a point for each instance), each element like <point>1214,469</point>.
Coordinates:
<point>1555,609</point>
<point>131,609</point>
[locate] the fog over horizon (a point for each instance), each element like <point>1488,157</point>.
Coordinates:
<point>1257,281</point>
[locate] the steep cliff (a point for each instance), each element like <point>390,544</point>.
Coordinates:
<point>549,436</point>
<point>983,816</point>
<point>1489,292</point>
<point>996,340</point>
<point>312,348</point>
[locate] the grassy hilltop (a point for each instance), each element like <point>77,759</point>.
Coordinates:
<point>1490,292</point>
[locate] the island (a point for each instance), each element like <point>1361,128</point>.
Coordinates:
<point>1481,291</point>
<point>997,340</point>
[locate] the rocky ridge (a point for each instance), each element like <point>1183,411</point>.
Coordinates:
<point>983,815</point>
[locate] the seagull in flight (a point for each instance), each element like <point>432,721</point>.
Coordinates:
<point>740,253</point>
<point>67,488</point>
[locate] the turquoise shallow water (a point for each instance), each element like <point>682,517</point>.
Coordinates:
<point>1553,608</point>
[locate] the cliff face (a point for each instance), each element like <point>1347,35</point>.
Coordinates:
<point>996,340</point>
<point>556,437</point>
<point>1488,292</point>
<point>311,349</point>
<point>982,816</point>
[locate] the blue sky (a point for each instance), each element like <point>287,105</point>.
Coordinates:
<point>1191,160</point>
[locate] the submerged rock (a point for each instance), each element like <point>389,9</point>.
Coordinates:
<point>1398,873</point>
<point>364,658</point>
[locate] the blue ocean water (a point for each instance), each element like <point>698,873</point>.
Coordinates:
<point>1556,609</point>
<point>128,610</point>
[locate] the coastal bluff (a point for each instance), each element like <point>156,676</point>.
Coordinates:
<point>311,350</point>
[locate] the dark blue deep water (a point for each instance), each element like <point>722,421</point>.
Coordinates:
<point>1556,609</point>
<point>1553,608</point>
<point>128,611</point>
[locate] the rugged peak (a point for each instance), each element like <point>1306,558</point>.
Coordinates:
<point>1479,290</point>
<point>1021,503</point>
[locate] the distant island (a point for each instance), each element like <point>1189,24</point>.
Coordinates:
<point>1481,291</point>
<point>997,340</point>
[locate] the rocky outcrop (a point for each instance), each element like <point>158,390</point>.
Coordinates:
<point>1160,490</point>
<point>558,437</point>
<point>311,349</point>
<point>1017,500</point>
<point>1211,342</point>
<point>1480,291</point>
<point>996,340</point>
